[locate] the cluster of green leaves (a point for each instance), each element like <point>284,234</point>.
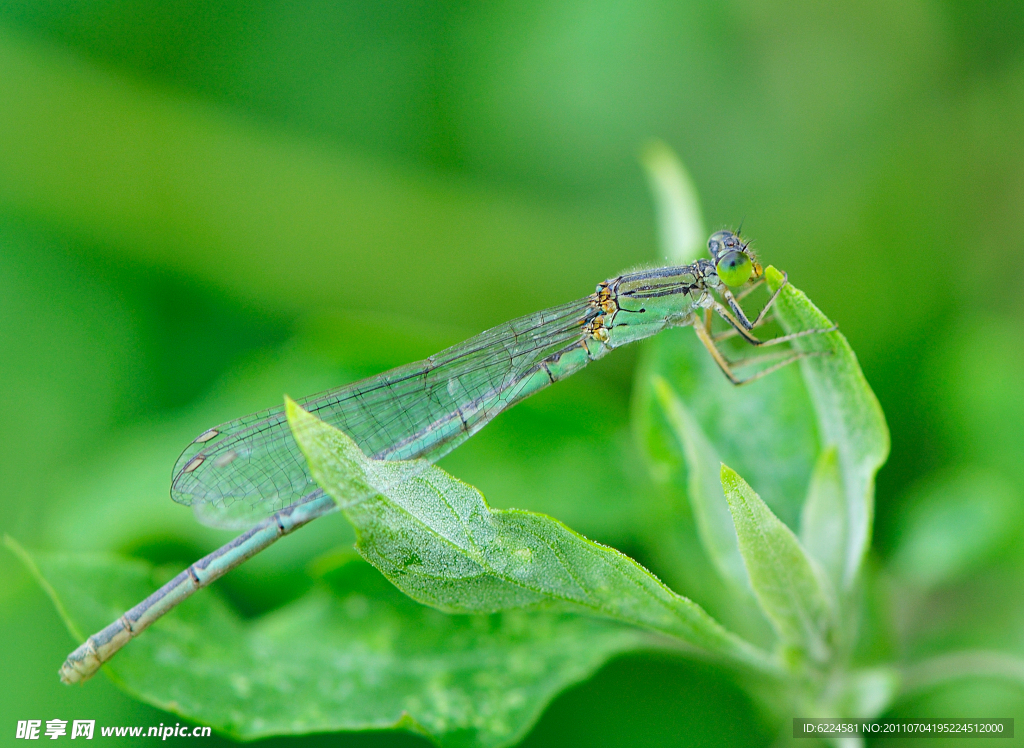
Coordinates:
<point>503,609</point>
<point>183,171</point>
<point>353,654</point>
<point>376,660</point>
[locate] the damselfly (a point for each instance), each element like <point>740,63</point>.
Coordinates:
<point>250,470</point>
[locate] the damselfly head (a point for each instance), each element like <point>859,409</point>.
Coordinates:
<point>734,261</point>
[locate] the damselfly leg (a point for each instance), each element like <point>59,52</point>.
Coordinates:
<point>741,325</point>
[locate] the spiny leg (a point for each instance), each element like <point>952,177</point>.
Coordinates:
<point>738,316</point>
<point>740,319</point>
<point>742,327</point>
<point>733,302</point>
<point>771,299</point>
<point>725,335</point>
<point>764,358</point>
<point>708,340</point>
<point>775,367</point>
<point>727,367</point>
<point>731,332</point>
<point>744,331</point>
<point>723,364</point>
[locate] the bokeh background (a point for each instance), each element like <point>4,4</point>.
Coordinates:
<point>206,204</point>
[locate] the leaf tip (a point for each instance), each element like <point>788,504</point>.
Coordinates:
<point>730,478</point>
<point>734,488</point>
<point>300,420</point>
<point>291,408</point>
<point>654,152</point>
<point>774,278</point>
<point>306,428</point>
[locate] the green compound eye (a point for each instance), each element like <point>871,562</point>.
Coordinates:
<point>734,268</point>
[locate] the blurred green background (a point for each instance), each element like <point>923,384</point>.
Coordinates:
<point>206,204</point>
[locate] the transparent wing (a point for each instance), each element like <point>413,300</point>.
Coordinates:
<point>243,470</point>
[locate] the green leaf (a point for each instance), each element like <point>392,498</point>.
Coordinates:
<point>766,430</point>
<point>823,519</point>
<point>352,654</point>
<point>680,226</point>
<point>584,422</point>
<point>437,540</point>
<point>849,416</point>
<point>793,591</point>
<point>714,523</point>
